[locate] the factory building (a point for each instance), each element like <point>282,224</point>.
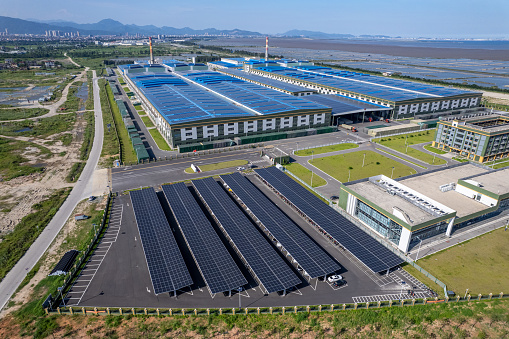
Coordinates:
<point>423,206</point>
<point>480,138</point>
<point>197,110</point>
<point>405,98</point>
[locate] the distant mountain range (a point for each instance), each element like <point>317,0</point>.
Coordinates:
<point>113,27</point>
<point>105,27</point>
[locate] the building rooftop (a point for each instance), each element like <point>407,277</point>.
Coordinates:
<point>374,86</point>
<point>180,102</point>
<point>271,82</point>
<point>490,124</point>
<point>380,196</point>
<point>344,105</point>
<point>258,98</point>
<point>495,181</point>
<point>429,185</point>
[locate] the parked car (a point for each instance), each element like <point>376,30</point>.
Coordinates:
<point>334,278</point>
<point>240,168</point>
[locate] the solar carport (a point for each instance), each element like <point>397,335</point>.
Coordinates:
<point>269,269</point>
<point>369,251</point>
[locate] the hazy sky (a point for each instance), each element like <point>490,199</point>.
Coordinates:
<point>409,18</point>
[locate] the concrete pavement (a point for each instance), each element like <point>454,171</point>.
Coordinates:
<point>12,280</point>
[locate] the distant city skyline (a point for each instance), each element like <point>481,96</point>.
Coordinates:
<point>406,18</point>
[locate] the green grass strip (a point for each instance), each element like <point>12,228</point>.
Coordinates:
<point>325,149</point>
<point>158,138</point>
<point>434,150</point>
<point>146,120</point>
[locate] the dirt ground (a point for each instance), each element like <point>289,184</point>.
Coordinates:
<point>23,192</point>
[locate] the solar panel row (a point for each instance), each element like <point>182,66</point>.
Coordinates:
<point>266,264</point>
<point>373,254</point>
<point>216,265</point>
<point>311,257</point>
<point>166,266</point>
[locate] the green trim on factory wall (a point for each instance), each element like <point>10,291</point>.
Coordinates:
<point>394,218</point>
<point>479,189</point>
<point>475,215</point>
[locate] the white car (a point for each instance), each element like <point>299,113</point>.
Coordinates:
<point>240,168</point>
<point>334,278</point>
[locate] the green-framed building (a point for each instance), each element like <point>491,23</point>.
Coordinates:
<point>427,205</point>
<point>480,139</point>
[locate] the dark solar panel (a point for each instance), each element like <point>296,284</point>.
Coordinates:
<point>270,269</point>
<point>373,254</point>
<point>166,266</point>
<point>311,257</point>
<point>65,263</point>
<point>213,259</point>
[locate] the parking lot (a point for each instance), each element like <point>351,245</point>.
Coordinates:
<point>117,274</point>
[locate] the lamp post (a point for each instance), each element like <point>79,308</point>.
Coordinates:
<point>363,159</point>
<point>60,290</point>
<point>297,147</point>
<point>417,256</point>
<point>348,175</point>
<point>239,289</point>
<point>392,174</point>
<point>312,172</point>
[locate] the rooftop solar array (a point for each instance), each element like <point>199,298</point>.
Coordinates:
<point>180,102</point>
<point>268,266</point>
<point>166,266</point>
<point>374,255</point>
<point>343,105</point>
<point>375,86</point>
<point>268,81</point>
<point>262,99</point>
<point>216,265</point>
<point>311,257</point>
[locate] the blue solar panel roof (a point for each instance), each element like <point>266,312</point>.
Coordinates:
<point>181,102</point>
<point>380,87</point>
<point>261,99</point>
<point>271,82</point>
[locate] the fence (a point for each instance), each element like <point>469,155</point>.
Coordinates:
<point>266,310</point>
<point>81,261</point>
<point>325,145</point>
<point>198,153</point>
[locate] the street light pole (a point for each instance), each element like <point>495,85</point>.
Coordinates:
<point>349,175</point>
<point>392,174</point>
<point>417,256</point>
<point>363,159</point>
<point>312,172</point>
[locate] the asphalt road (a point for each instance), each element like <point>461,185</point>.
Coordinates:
<point>158,173</point>
<point>11,282</point>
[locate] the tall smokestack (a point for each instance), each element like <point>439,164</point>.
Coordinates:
<point>266,48</point>
<point>151,61</point>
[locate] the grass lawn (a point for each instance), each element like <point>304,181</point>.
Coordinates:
<point>496,164</point>
<point>11,159</point>
<point>325,149</point>
<point>337,166</point>
<point>111,145</point>
<point>140,113</point>
<point>480,264</point>
<point>434,150</point>
<point>305,174</point>
<point>400,142</point>
<point>158,138</point>
<point>219,165</point>
<point>147,121</point>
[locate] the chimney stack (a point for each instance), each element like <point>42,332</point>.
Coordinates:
<point>266,49</point>
<point>151,61</point>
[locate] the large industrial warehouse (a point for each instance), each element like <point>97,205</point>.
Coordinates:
<point>406,98</point>
<point>196,110</point>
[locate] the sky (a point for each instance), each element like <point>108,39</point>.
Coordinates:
<point>406,18</point>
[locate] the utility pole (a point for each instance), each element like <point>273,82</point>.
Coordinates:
<point>392,172</point>
<point>363,159</point>
<point>312,172</point>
